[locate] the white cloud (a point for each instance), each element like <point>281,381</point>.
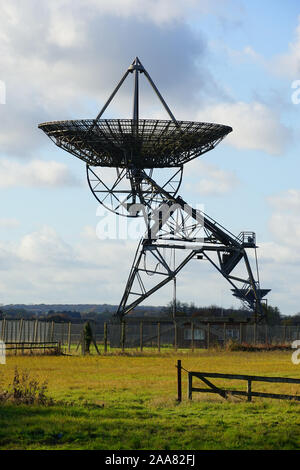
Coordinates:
<point>60,271</point>
<point>59,57</point>
<point>280,257</point>
<point>9,223</point>
<point>255,126</point>
<point>289,200</point>
<point>36,173</point>
<point>92,271</point>
<point>210,180</point>
<point>45,247</point>
<point>285,228</point>
<point>288,64</point>
<point>158,11</point>
<point>284,223</point>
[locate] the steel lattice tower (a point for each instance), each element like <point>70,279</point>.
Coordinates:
<point>139,152</point>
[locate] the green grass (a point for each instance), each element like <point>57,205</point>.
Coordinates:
<point>129,402</point>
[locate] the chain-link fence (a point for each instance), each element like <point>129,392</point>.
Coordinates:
<point>197,335</point>
<point>147,334</point>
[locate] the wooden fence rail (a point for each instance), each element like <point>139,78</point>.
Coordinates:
<point>30,345</point>
<point>224,393</point>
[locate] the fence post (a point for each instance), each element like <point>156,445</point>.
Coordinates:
<point>52,331</point>
<point>249,390</point>
<point>3,330</point>
<point>141,336</point>
<point>69,336</point>
<point>123,336</point>
<point>158,336</point>
<point>82,343</point>
<point>190,385</point>
<point>105,337</point>
<point>179,383</point>
<point>21,330</point>
<point>62,333</point>
<point>208,335</point>
<point>10,330</point>
<point>35,331</point>
<point>193,336</point>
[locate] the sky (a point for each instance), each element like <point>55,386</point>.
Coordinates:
<point>233,62</point>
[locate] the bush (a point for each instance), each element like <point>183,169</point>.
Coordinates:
<point>233,345</point>
<point>25,391</point>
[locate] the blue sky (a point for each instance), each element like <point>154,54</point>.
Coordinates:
<point>226,61</point>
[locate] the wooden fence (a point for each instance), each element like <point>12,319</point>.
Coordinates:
<point>53,346</point>
<point>185,333</point>
<point>224,393</point>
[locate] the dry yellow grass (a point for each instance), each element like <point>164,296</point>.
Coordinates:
<point>138,409</point>
<point>151,375</point>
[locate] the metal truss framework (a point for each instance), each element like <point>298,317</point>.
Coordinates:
<point>184,229</point>
<point>133,149</point>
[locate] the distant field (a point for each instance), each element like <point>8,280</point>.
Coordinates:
<point>129,402</point>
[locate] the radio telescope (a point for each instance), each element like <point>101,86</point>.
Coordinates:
<point>134,169</point>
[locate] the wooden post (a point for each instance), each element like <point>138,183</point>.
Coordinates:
<point>62,333</point>
<point>123,336</point>
<point>141,336</point>
<point>95,344</point>
<point>69,336</point>
<point>158,337</point>
<point>179,383</point>
<point>208,335</point>
<point>190,385</point>
<point>45,337</point>
<point>52,331</point>
<point>249,390</point>
<point>21,334</point>
<point>105,337</point>
<point>82,344</point>
<point>193,336</point>
<point>3,330</point>
<point>36,326</point>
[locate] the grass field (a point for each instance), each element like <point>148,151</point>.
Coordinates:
<point>129,402</point>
